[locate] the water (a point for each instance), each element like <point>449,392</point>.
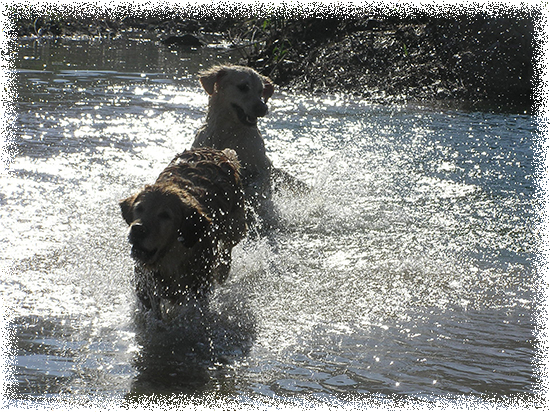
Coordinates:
<point>407,274</point>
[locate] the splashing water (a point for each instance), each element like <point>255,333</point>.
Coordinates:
<point>408,269</point>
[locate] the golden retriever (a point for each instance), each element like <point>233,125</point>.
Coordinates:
<point>183,227</point>
<point>238,97</point>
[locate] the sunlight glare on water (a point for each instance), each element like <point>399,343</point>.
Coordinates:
<point>408,269</point>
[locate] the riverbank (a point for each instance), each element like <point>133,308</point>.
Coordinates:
<point>478,59</point>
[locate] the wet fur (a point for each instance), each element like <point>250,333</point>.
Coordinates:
<point>183,227</point>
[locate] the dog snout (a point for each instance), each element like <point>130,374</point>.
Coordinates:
<point>137,232</point>
<point>260,109</point>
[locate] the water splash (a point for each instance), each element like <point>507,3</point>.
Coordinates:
<point>409,263</point>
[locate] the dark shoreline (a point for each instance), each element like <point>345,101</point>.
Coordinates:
<point>475,60</point>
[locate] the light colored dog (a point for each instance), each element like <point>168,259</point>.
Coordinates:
<point>238,97</point>
<point>183,227</point>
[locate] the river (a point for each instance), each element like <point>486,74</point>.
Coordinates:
<point>408,274</point>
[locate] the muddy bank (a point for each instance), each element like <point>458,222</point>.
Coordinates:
<point>476,59</point>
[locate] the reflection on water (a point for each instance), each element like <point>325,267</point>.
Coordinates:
<point>192,351</point>
<point>408,271</point>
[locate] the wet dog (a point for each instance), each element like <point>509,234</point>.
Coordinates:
<point>238,97</point>
<point>183,227</point>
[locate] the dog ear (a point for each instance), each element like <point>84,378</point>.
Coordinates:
<point>268,88</point>
<point>126,207</point>
<point>193,227</point>
<point>210,78</point>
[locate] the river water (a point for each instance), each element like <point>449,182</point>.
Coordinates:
<point>407,275</point>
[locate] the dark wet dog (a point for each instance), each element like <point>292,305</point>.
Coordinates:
<point>183,227</point>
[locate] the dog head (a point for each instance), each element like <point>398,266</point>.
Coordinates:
<point>160,217</point>
<point>239,91</point>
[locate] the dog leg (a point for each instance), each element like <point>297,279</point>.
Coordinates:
<point>283,180</point>
<point>146,290</point>
<point>224,264</point>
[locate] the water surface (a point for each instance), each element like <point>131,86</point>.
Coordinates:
<point>408,273</point>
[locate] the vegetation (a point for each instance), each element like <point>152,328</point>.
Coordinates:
<point>476,57</point>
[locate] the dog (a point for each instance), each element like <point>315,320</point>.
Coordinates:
<point>183,227</point>
<point>238,97</point>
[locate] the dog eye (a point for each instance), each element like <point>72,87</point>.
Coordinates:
<point>164,216</point>
<point>243,87</point>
